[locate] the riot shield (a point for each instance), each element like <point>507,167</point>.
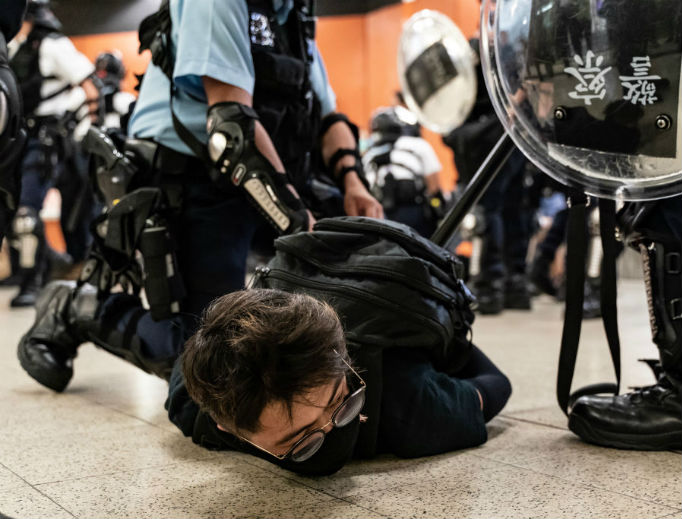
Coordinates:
<point>438,79</point>
<point>590,90</point>
<point>436,71</point>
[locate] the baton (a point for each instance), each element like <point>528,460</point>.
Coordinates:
<point>487,172</point>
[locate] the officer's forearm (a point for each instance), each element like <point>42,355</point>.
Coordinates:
<point>338,136</point>
<point>267,148</point>
<point>242,154</point>
<point>432,183</point>
<point>219,92</point>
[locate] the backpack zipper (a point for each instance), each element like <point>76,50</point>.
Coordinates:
<point>345,225</point>
<point>418,285</point>
<point>359,294</point>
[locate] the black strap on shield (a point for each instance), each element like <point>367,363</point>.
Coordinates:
<point>575,293</point>
<point>609,291</point>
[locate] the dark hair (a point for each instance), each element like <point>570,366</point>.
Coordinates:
<point>259,346</point>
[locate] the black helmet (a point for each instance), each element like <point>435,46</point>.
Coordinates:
<point>39,12</point>
<point>109,68</point>
<point>394,122</point>
<point>34,6</point>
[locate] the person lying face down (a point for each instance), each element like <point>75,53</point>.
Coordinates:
<point>269,373</point>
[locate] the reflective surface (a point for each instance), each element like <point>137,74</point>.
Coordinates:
<point>590,90</point>
<point>436,71</point>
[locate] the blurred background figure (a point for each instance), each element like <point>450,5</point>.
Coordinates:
<point>402,170</point>
<point>506,217</point>
<point>12,133</point>
<point>56,82</point>
<point>117,104</point>
<point>550,280</point>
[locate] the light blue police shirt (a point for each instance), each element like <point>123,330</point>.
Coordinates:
<point>209,38</point>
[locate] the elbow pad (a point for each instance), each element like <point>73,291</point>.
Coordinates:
<point>237,162</point>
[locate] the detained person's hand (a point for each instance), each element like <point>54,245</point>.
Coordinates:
<point>358,201</point>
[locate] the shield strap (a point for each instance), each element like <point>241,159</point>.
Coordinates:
<point>575,292</point>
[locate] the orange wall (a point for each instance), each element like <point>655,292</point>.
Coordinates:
<point>360,53</point>
<point>126,42</point>
<point>361,57</point>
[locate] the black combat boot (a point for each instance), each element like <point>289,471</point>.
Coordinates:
<point>490,296</point>
<point>516,293</point>
<point>29,289</point>
<point>66,317</point>
<point>47,350</point>
<point>59,264</point>
<point>648,418</point>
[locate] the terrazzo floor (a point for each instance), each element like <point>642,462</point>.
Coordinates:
<point>105,448</point>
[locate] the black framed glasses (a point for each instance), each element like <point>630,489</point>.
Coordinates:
<point>345,413</point>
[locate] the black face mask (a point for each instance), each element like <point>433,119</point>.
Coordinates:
<point>335,452</point>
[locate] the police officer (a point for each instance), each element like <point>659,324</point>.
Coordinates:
<point>402,170</point>
<point>545,254</point>
<point>12,135</point>
<point>110,71</point>
<point>506,228</point>
<point>49,69</point>
<point>237,108</point>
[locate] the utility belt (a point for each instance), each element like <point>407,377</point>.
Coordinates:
<point>141,183</point>
<point>165,168</point>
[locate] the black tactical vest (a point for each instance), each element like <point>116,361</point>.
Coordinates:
<point>26,66</point>
<point>283,95</point>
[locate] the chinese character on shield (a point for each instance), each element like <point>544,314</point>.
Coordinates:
<point>590,76</point>
<point>639,85</point>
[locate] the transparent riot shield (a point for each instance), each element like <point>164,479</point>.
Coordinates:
<point>436,71</point>
<point>590,90</point>
<point>436,67</point>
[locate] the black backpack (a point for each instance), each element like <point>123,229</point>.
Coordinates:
<point>391,288</point>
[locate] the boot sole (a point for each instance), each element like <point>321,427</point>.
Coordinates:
<point>641,442</point>
<point>55,381</point>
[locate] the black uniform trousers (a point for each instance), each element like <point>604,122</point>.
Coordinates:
<point>507,222</point>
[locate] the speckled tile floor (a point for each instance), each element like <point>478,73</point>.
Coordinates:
<point>105,448</point>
